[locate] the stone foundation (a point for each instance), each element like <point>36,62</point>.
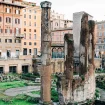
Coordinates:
<point>83,88</point>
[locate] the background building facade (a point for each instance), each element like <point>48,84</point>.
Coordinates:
<point>100,39</point>
<point>31,28</point>
<point>58,21</point>
<point>11,54</point>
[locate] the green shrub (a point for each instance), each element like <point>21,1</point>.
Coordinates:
<point>32,99</point>
<point>54,95</point>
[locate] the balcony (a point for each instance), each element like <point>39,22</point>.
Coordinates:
<point>19,36</point>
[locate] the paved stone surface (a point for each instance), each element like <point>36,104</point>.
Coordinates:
<point>21,90</point>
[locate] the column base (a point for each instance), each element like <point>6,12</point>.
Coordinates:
<point>46,103</point>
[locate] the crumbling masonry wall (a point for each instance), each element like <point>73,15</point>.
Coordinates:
<point>82,87</point>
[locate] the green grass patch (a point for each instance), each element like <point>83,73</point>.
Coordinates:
<point>36,92</point>
<point>18,100</point>
<point>14,84</point>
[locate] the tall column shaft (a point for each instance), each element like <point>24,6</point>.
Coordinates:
<point>46,53</point>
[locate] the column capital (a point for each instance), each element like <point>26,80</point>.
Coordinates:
<point>45,4</point>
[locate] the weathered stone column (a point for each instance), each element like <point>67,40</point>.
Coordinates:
<point>69,49</point>
<point>46,53</point>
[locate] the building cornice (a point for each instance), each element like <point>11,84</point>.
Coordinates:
<point>12,4</point>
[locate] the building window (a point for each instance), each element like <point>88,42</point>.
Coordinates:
<point>24,35</point>
<point>17,41</point>
<point>104,47</point>
<point>100,34</point>
<point>0,19</point>
<point>8,31</point>
<point>5,40</point>
<point>34,36</point>
<point>35,24</point>
<point>8,10</point>
<point>29,30</point>
<point>29,23</point>
<point>17,53</point>
<point>8,20</point>
<point>100,47</point>
<point>17,11</point>
<point>8,53</point>
<point>24,43</point>
<point>24,15</point>
<point>35,51</point>
<point>24,23</point>
<point>12,69</point>
<point>17,30</point>
<point>30,51</point>
<point>34,30</point>
<point>34,17</point>
<point>25,29</point>
<point>29,36</point>
<point>30,11</point>
<point>30,43</point>
<point>99,26</point>
<point>24,10</point>
<point>99,40</point>
<point>56,24</point>
<point>34,43</point>
<point>1,30</point>
<point>29,16</point>
<point>8,40</point>
<point>17,21</point>
<point>0,40</point>
<point>34,11</point>
<point>24,51</point>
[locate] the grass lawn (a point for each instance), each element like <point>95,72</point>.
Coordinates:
<point>7,100</point>
<point>18,100</point>
<point>36,92</point>
<point>14,84</point>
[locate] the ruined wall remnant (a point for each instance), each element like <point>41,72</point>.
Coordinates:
<point>79,88</point>
<point>46,53</point>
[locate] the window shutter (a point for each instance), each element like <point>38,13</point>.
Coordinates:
<point>11,31</point>
<point>5,40</point>
<point>1,30</point>
<point>6,20</point>
<point>20,31</point>
<point>9,10</point>
<point>19,21</point>
<point>9,20</point>
<point>19,11</point>
<point>15,30</point>
<point>5,30</point>
<point>6,10</point>
<point>0,19</point>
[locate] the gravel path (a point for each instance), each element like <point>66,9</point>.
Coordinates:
<point>21,90</point>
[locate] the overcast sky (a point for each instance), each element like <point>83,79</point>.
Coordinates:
<point>96,8</point>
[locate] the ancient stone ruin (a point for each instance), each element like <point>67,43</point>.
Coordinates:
<point>81,44</point>
<point>46,53</point>
<point>79,89</point>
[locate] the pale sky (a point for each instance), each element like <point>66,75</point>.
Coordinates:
<point>96,8</point>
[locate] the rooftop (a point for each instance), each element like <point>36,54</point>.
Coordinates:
<point>12,4</point>
<point>103,21</point>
